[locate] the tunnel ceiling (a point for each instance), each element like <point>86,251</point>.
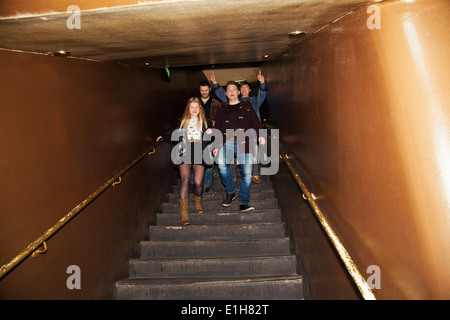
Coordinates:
<point>173,33</point>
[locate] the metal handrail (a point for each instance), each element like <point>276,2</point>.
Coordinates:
<point>32,248</point>
<point>353,270</point>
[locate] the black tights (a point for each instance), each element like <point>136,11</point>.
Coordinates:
<point>185,174</point>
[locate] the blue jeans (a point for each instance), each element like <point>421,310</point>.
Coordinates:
<point>245,160</point>
<point>208,178</point>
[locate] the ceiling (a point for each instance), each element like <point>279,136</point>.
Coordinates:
<point>173,33</point>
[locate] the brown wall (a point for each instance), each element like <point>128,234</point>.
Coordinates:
<point>66,127</point>
<point>14,7</point>
<point>366,115</point>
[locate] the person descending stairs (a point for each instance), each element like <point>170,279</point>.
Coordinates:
<point>222,254</point>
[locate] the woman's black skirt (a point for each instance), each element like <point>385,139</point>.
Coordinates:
<point>193,154</point>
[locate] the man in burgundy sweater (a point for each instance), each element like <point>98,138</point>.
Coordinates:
<point>236,120</point>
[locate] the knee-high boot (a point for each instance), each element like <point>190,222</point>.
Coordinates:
<point>198,204</point>
<point>184,212</point>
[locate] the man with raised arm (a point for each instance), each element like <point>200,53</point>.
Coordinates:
<point>235,120</point>
<point>245,90</point>
<point>256,102</point>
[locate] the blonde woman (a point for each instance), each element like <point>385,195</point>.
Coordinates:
<point>193,125</point>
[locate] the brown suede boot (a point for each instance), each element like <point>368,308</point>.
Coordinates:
<point>184,212</point>
<point>198,204</point>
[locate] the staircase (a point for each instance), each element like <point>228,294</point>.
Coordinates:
<point>222,254</point>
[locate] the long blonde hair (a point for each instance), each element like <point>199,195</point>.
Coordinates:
<point>187,114</point>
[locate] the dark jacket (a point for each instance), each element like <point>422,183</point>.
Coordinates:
<point>245,119</point>
<point>210,109</point>
<point>255,101</point>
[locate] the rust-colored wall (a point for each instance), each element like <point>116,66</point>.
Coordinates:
<point>17,7</point>
<point>366,115</point>
<point>66,127</point>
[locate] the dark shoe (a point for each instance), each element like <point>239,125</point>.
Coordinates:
<point>229,199</point>
<point>208,189</point>
<point>245,207</point>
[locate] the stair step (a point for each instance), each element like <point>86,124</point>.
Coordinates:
<point>218,180</point>
<point>220,195</point>
<point>222,254</point>
<point>218,232</point>
<point>256,216</point>
<point>215,206</point>
<point>215,248</point>
<point>218,186</point>
<point>266,288</point>
<point>213,267</point>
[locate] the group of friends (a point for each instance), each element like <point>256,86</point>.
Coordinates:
<point>234,109</point>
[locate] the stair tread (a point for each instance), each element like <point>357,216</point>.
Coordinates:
<point>215,248</point>
<point>207,279</point>
<point>225,212</point>
<point>208,227</point>
<point>181,242</point>
<point>177,227</point>
<point>218,231</point>
<point>218,182</point>
<point>243,217</point>
<point>212,266</point>
<point>220,190</point>
<point>201,259</point>
<point>219,200</point>
<point>202,219</point>
<point>213,206</point>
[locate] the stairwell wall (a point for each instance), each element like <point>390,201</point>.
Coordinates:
<point>365,113</point>
<point>67,126</point>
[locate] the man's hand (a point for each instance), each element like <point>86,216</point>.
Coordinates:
<point>260,77</point>
<point>213,78</point>
<point>262,140</point>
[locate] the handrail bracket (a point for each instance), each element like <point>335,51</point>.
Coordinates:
<point>37,253</point>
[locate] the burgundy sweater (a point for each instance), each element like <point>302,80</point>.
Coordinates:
<point>240,116</point>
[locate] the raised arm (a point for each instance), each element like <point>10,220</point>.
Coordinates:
<point>261,92</point>
<point>218,90</point>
